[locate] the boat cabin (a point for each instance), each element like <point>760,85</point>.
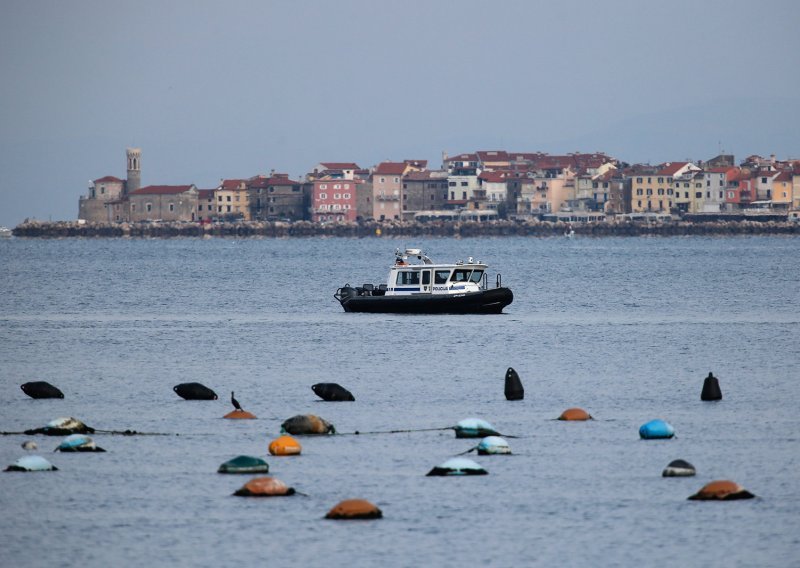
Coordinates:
<point>406,277</point>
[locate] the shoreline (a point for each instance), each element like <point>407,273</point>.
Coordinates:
<point>500,228</point>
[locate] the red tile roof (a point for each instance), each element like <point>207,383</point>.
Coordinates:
<point>205,193</point>
<point>670,168</point>
<point>493,155</point>
<point>784,176</point>
<point>107,179</point>
<point>232,184</point>
<point>162,190</point>
<point>391,168</point>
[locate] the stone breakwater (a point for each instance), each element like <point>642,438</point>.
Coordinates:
<point>62,229</point>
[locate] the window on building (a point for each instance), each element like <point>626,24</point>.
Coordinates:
<point>172,207</point>
<point>228,198</point>
<point>383,180</point>
<point>337,195</point>
<point>452,184</point>
<point>219,198</point>
<point>228,208</point>
<point>323,186</point>
<point>464,184</point>
<point>463,195</point>
<point>149,207</point>
<point>323,196</point>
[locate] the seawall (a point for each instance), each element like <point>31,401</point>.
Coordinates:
<point>62,229</point>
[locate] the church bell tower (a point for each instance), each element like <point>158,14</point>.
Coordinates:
<point>134,170</point>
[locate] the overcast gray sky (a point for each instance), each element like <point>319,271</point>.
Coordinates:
<point>212,90</point>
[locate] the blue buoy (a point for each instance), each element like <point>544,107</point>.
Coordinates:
<point>78,443</point>
<point>656,429</point>
<point>32,463</point>
<point>474,428</point>
<point>492,445</point>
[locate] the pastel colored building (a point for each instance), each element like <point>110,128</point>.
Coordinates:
<point>276,197</point>
<point>387,190</point>
<point>232,200</point>
<point>334,200</point>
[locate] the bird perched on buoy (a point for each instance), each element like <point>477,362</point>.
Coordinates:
<point>238,411</point>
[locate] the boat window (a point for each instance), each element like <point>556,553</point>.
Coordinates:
<point>460,275</point>
<point>476,276</point>
<point>407,277</point>
<point>426,277</point>
<point>441,276</point>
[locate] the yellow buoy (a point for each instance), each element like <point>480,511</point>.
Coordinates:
<point>354,509</point>
<point>721,490</point>
<point>575,414</point>
<point>378,231</point>
<point>284,446</point>
<point>239,415</point>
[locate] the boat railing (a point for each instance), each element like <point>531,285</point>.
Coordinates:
<point>498,281</point>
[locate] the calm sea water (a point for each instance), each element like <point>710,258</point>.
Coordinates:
<point>625,328</point>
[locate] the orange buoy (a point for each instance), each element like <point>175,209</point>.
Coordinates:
<point>354,509</point>
<point>264,487</point>
<point>239,415</point>
<point>721,490</point>
<point>284,446</point>
<point>575,414</point>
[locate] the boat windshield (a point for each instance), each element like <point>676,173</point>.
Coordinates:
<point>476,276</point>
<point>460,275</point>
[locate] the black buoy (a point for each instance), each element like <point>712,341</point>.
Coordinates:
<point>194,391</point>
<point>514,390</point>
<point>332,392</point>
<point>711,389</point>
<point>235,402</point>
<point>41,389</point>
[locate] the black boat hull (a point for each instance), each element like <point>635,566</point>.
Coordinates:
<point>491,301</point>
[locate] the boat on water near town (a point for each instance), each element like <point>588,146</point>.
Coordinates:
<point>428,288</point>
<point>5,232</point>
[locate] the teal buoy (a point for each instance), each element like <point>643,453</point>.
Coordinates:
<point>493,445</point>
<point>458,466</point>
<point>244,464</point>
<point>656,429</point>
<point>474,428</point>
<point>32,463</point>
<point>78,443</point>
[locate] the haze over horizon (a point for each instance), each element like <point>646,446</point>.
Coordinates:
<point>210,90</point>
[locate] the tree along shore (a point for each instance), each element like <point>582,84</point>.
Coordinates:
<point>500,228</point>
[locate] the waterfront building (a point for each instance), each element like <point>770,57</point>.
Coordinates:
<point>334,199</point>
<point>276,197</point>
<point>387,190</point>
<point>103,201</point>
<point>232,200</point>
<point>668,187</point>
<point>464,188</point>
<point>206,208</point>
<point>739,191</point>
<point>782,191</point>
<point>424,191</point>
<point>716,181</point>
<point>163,203</point>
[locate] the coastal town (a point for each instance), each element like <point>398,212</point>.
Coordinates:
<point>480,186</point>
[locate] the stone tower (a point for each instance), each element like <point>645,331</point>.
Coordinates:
<point>134,169</point>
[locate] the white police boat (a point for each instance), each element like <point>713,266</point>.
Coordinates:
<point>417,285</point>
